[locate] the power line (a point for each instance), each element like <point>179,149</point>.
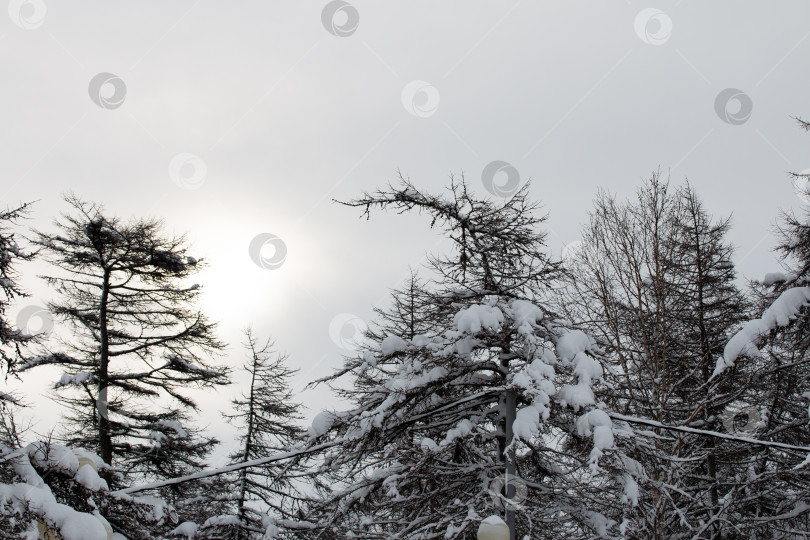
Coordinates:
<point>294,453</point>
<point>230,468</point>
<point>704,432</point>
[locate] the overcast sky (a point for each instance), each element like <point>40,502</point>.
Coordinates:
<point>235,119</point>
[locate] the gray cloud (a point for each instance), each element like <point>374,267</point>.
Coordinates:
<point>284,116</point>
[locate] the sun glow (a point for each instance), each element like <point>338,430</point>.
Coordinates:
<point>249,276</point>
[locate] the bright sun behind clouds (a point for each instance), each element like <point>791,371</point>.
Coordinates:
<point>251,276</point>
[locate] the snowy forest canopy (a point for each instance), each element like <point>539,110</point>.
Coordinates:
<point>632,389</point>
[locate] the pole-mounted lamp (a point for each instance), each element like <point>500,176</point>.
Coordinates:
<point>493,528</point>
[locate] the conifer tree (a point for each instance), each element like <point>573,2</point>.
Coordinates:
<point>654,281</point>
<point>247,503</point>
<point>51,491</point>
<point>267,416</point>
<point>767,495</point>
<point>429,442</point>
<point>11,339</point>
<point>135,342</point>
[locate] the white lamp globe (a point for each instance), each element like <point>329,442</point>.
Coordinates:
<point>493,528</point>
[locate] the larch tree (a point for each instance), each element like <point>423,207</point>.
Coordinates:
<point>12,339</point>
<point>409,312</point>
<point>769,497</point>
<point>430,442</point>
<point>135,341</point>
<point>654,282</point>
<point>713,308</point>
<point>267,418</point>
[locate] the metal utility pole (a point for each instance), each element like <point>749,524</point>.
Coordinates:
<point>509,403</point>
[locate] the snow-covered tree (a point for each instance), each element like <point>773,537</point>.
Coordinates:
<point>425,449</point>
<point>135,340</point>
<point>47,489</point>
<point>654,282</point>
<point>768,498</point>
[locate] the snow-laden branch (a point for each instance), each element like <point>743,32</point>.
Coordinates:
<point>780,313</point>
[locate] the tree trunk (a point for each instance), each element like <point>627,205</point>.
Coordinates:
<point>248,444</point>
<point>104,436</point>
